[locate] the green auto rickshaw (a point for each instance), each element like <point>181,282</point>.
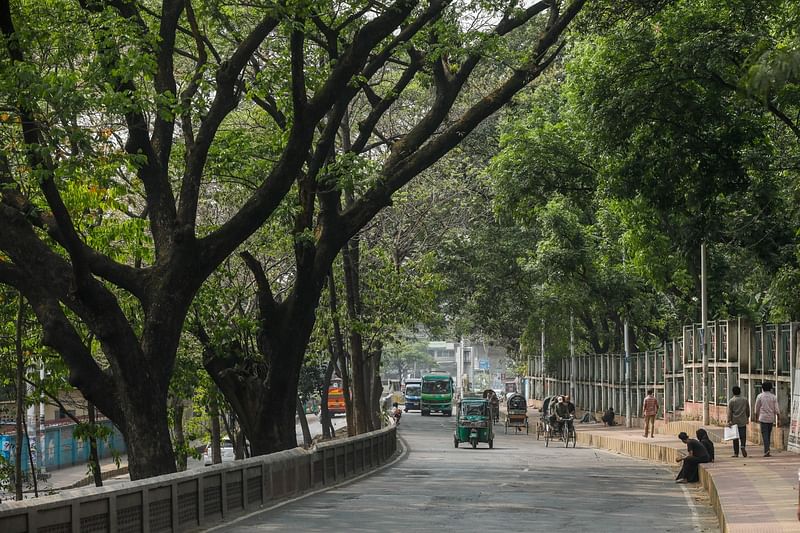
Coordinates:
<point>474,423</point>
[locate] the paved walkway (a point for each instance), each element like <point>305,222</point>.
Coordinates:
<point>756,494</point>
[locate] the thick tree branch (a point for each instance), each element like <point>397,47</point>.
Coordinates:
<point>268,104</point>
<point>398,171</point>
<point>225,101</point>
<point>61,335</point>
<point>123,276</point>
<point>267,197</point>
<point>266,300</point>
<point>154,176</point>
<point>449,86</point>
<point>367,126</point>
<point>164,82</point>
<point>354,58</point>
<point>297,58</point>
<point>46,271</point>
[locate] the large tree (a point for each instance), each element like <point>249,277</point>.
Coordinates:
<point>131,98</point>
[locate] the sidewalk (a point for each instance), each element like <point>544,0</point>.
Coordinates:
<point>755,494</point>
<point>73,477</point>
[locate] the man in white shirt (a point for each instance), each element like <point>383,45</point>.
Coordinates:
<point>767,413</point>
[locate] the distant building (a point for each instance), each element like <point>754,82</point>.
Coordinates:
<point>444,356</point>
<point>480,365</point>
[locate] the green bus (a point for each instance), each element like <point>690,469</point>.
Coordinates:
<point>437,394</point>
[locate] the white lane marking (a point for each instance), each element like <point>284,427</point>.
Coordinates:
<point>692,508</point>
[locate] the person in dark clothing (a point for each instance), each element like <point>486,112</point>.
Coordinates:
<point>697,454</point>
<point>702,436</point>
<point>608,417</point>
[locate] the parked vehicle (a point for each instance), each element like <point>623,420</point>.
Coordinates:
<point>413,394</point>
<point>226,451</point>
<point>474,423</point>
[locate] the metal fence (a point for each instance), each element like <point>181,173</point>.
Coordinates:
<point>200,498</point>
<point>739,354</point>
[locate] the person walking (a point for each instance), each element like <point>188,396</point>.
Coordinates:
<point>739,414</point>
<point>650,410</point>
<point>767,413</point>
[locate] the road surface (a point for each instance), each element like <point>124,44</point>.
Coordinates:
<point>518,486</point>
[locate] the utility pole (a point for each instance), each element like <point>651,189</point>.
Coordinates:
<point>544,382</point>
<point>704,330</point>
<point>529,379</point>
<point>572,357</point>
<point>628,413</point>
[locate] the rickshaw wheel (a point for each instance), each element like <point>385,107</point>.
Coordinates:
<point>455,441</point>
<point>527,428</point>
<point>491,443</point>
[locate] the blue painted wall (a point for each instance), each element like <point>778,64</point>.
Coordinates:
<point>61,449</point>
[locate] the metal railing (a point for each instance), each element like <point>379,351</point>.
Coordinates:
<point>739,354</point>
<point>201,498</point>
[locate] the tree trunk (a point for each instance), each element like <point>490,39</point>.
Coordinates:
<point>263,398</point>
<point>94,459</point>
<point>339,356</point>
<point>213,412</point>
<point>181,456</point>
<point>146,431</point>
<point>20,401</point>
<point>347,388</point>
<point>301,417</point>
<point>324,414</point>
<point>376,389</point>
<point>32,464</point>
<point>362,378</point>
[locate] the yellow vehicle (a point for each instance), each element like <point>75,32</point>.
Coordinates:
<point>336,405</point>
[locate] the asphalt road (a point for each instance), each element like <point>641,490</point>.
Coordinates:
<point>518,486</point>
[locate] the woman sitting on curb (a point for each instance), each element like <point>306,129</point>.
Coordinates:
<point>697,454</point>
<point>702,436</point>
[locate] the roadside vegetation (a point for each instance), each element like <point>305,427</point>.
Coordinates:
<point>219,208</point>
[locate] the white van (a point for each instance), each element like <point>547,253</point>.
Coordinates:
<point>226,451</point>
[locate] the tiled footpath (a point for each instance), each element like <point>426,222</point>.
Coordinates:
<point>756,494</point>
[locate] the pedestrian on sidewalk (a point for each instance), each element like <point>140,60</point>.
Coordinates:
<point>767,413</point>
<point>608,417</point>
<point>739,414</point>
<point>650,410</point>
<point>702,436</point>
<point>697,455</point>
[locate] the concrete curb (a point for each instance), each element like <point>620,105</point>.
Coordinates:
<point>89,480</point>
<point>642,450</point>
<point>652,451</point>
<point>730,522</point>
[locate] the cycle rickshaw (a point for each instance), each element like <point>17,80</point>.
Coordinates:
<point>554,428</point>
<point>494,403</point>
<point>516,412</point>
